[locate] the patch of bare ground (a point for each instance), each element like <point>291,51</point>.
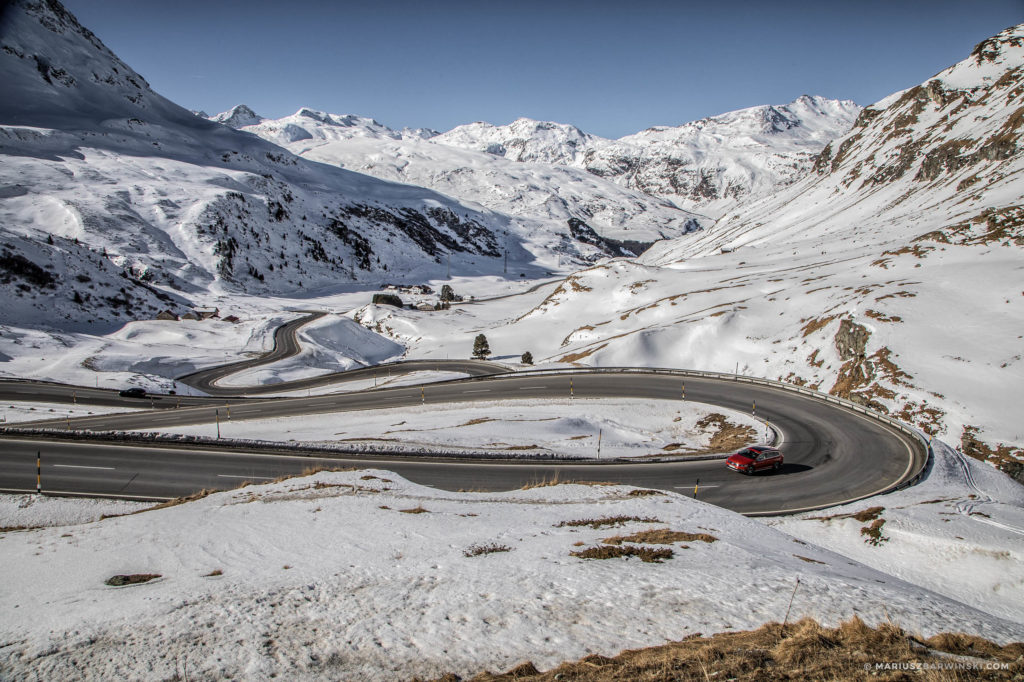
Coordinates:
<point>555,480</point>
<point>872,532</point>
<point>131,579</point>
<point>415,510</point>
<point>205,492</point>
<point>15,529</point>
<point>576,357</point>
<point>804,650</point>
<point>490,548</point>
<point>1009,460</point>
<point>808,559</point>
<point>605,522</point>
<point>648,555</point>
<point>725,435</point>
<point>882,317</point>
<point>813,324</point>
<point>642,492</point>
<point>660,536</point>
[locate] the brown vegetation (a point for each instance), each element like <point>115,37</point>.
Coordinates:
<point>646,554</point>
<point>804,650</point>
<point>492,548</point>
<point>605,522</point>
<point>660,536</point>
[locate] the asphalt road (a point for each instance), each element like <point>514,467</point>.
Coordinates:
<point>832,454</point>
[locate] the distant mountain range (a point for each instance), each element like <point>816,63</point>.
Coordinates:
<point>705,166</point>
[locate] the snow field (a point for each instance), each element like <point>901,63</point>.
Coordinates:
<point>960,533</point>
<point>325,577</point>
<point>31,511</point>
<point>21,411</point>
<point>567,428</point>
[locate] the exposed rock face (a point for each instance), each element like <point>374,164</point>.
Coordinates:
<point>851,340</point>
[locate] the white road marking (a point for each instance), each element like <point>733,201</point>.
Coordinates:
<point>482,390</point>
<point>528,388</point>
<point>80,466</point>
<point>690,487</point>
<point>248,478</point>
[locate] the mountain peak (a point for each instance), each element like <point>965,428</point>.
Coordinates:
<point>238,116</point>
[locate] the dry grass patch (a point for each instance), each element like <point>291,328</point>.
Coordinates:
<point>555,480</point>
<point>660,536</point>
<point>648,555</point>
<point>415,510</point>
<point>605,522</point>
<point>864,515</point>
<point>804,650</point>
<point>205,492</point>
<point>491,548</point>
<point>644,493</point>
<point>214,573</point>
<point>809,560</point>
<point>726,436</point>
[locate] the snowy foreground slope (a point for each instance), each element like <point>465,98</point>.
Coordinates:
<point>365,574</point>
<point>890,276</point>
<point>707,166</point>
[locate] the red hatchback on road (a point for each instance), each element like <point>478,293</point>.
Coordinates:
<point>755,458</point>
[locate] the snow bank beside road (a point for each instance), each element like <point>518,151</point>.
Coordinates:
<point>960,532</point>
<point>566,428</point>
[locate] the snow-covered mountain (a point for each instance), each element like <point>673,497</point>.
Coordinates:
<point>115,202</point>
<point>558,203</point>
<point>706,165</point>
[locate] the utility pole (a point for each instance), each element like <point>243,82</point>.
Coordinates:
<point>449,266</point>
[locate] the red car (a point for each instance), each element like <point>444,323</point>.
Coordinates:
<point>755,458</point>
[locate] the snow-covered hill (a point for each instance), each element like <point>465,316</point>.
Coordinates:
<point>115,202</point>
<point>543,196</point>
<point>706,165</point>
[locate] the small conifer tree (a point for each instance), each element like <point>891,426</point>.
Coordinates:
<point>481,349</point>
<point>527,358</point>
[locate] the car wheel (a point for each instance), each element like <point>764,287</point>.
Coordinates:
<point>777,466</point>
<point>750,468</point>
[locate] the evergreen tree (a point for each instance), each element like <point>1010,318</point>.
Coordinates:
<point>481,349</point>
<point>447,293</point>
<point>527,358</point>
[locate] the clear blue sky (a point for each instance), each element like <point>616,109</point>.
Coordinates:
<point>611,68</point>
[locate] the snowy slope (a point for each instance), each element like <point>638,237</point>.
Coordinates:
<point>325,577</point>
<point>543,196</point>
<point>104,179</point>
<point>706,165</point>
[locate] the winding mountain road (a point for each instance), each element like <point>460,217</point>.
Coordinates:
<point>835,453</point>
